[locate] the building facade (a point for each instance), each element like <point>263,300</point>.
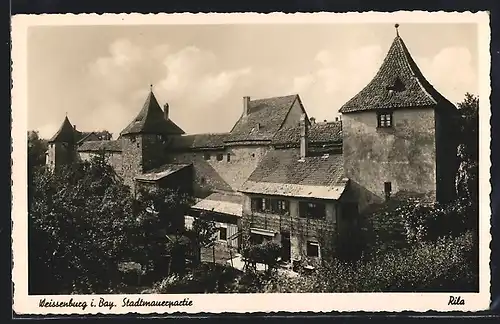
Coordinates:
<point>280,175</point>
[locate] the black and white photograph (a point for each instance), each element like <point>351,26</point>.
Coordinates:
<point>230,162</point>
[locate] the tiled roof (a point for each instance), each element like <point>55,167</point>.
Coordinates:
<point>282,172</point>
<point>66,133</point>
<point>265,117</point>
<point>221,203</point>
<point>198,141</point>
<point>151,119</point>
<point>95,146</point>
<point>161,172</point>
<point>398,83</point>
<point>318,133</point>
<point>86,136</point>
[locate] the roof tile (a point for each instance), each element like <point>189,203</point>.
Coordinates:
<point>398,83</point>
<point>96,146</point>
<point>151,119</point>
<point>264,119</point>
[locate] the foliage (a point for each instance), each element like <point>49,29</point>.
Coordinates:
<point>202,234</point>
<point>467,180</point>
<point>448,264</point>
<point>104,135</point>
<point>469,125</point>
<point>267,253</point>
<point>205,278</point>
<point>162,245</point>
<point>36,150</point>
<point>79,225</point>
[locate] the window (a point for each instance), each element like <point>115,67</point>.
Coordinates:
<point>387,190</point>
<point>312,249</point>
<point>384,119</point>
<point>222,233</point>
<point>258,239</point>
<point>312,210</point>
<point>220,157</point>
<point>228,157</point>
<point>275,206</point>
<point>279,206</point>
<point>206,156</point>
<point>202,181</point>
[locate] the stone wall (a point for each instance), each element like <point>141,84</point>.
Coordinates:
<point>224,175</point>
<point>60,154</point>
<point>404,155</point>
<point>112,158</point>
<point>131,158</point>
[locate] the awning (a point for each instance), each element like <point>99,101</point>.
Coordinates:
<point>260,231</point>
<point>294,190</point>
<point>222,207</point>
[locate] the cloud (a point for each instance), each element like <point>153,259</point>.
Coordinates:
<point>336,78</point>
<point>205,95</point>
<point>193,81</point>
<point>451,72</point>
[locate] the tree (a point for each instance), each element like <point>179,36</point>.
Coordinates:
<point>467,184</point>
<point>202,234</point>
<point>36,150</point>
<point>267,253</point>
<point>80,221</point>
<point>160,213</point>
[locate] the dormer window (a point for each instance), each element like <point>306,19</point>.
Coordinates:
<point>395,85</point>
<point>384,119</point>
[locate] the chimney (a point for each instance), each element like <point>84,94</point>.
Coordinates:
<point>74,127</point>
<point>165,111</point>
<point>246,103</point>
<point>258,126</point>
<point>312,120</point>
<point>303,136</point>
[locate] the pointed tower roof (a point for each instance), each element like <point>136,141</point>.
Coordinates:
<point>151,120</point>
<point>66,133</point>
<point>398,83</point>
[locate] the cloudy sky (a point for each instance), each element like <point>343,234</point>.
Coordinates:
<point>100,75</point>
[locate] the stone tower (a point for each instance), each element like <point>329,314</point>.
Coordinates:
<point>62,146</point>
<point>144,140</point>
<point>398,133</point>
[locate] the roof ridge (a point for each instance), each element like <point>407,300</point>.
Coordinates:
<point>398,83</point>
<point>275,97</point>
<point>412,65</point>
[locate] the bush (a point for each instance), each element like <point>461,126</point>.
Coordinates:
<point>206,278</point>
<point>448,264</point>
<point>267,253</point>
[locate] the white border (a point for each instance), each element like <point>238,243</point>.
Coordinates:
<point>239,303</point>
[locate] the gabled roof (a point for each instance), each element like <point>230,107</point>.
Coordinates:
<point>199,141</point>
<point>265,117</point>
<point>283,173</point>
<point>87,136</point>
<point>319,133</point>
<point>398,83</point>
<point>151,120</point>
<point>97,146</point>
<point>66,133</point>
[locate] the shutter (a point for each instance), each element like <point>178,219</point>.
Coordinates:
<point>231,230</point>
